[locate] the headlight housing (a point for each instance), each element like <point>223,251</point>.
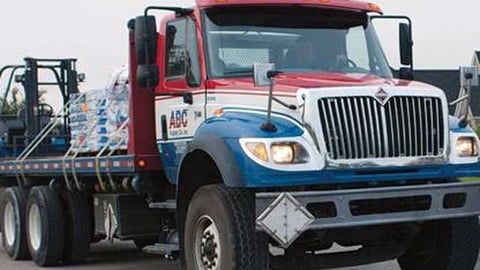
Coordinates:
<point>289,153</point>
<point>466,147</point>
<point>276,153</point>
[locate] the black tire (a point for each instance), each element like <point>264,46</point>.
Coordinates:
<point>45,226</point>
<point>77,228</point>
<point>15,198</point>
<point>445,245</point>
<point>232,213</point>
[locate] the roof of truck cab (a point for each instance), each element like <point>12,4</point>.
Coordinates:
<point>344,4</point>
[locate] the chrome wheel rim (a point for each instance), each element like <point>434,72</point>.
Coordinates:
<point>34,227</point>
<point>207,244</point>
<point>9,221</point>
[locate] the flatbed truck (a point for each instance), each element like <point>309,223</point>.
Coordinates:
<point>261,134</point>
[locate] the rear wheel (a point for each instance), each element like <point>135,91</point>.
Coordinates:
<point>13,223</point>
<point>45,226</point>
<point>444,245</point>
<point>220,230</point>
<point>77,227</point>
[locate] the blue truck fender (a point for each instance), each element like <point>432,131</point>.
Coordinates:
<point>218,137</point>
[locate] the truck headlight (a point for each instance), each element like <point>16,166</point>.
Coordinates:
<point>467,147</point>
<point>289,153</point>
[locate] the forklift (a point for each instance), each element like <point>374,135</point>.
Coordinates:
<point>17,130</point>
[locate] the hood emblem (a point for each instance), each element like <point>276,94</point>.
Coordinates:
<point>382,96</point>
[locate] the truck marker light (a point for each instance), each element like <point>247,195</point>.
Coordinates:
<point>259,150</point>
<point>218,112</point>
<point>141,163</point>
<point>467,147</point>
<point>374,6</point>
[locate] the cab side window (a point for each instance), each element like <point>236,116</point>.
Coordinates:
<point>182,58</point>
<point>175,49</point>
<point>192,57</point>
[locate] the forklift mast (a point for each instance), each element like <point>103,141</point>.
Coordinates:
<point>66,79</point>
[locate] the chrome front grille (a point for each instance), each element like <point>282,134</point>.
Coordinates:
<point>362,128</point>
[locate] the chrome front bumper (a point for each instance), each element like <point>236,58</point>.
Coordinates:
<point>364,207</point>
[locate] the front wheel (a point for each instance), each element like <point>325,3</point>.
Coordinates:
<point>220,230</point>
<point>444,245</point>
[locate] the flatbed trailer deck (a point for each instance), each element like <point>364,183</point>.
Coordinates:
<point>121,164</point>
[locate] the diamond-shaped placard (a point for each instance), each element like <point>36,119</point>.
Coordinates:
<point>285,219</point>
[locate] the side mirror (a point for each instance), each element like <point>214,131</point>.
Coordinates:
<point>148,76</point>
<point>146,40</point>
<point>81,77</point>
<point>406,44</point>
<point>260,74</point>
<point>19,78</point>
<point>469,75</point>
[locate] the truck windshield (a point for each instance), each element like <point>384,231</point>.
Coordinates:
<point>296,39</point>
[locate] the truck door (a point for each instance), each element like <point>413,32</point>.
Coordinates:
<point>179,116</point>
<point>180,101</point>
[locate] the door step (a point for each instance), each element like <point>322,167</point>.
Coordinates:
<point>162,249</point>
<point>166,205</point>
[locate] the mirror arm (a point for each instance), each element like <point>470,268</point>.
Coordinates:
<point>464,120</point>
<point>410,27</point>
<point>269,126</point>
<point>288,106</point>
<point>177,10</point>
<point>458,100</point>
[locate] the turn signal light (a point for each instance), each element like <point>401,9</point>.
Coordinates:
<point>218,112</point>
<point>259,150</point>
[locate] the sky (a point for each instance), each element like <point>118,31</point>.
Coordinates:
<point>446,32</point>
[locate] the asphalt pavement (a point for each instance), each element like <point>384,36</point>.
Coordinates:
<point>124,256</point>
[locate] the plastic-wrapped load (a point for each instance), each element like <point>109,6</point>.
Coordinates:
<point>86,117</point>
<point>95,120</point>
<point>117,113</point>
<point>78,120</point>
